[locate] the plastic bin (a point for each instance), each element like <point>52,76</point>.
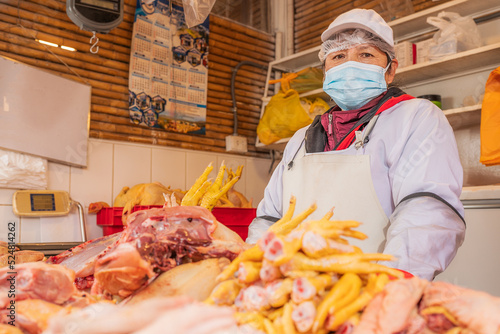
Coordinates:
<point>111,218</point>
<point>237,219</point>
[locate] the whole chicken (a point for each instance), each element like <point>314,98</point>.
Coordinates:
<point>145,194</point>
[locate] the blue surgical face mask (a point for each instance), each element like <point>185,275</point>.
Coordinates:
<point>352,84</point>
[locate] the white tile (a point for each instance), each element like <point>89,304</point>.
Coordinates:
<point>30,230</point>
<point>131,166</point>
<point>196,163</point>
<point>6,196</point>
<point>94,183</point>
<point>58,177</point>
<point>93,230</point>
<point>257,179</point>
<point>10,223</point>
<point>169,168</point>
<point>60,229</point>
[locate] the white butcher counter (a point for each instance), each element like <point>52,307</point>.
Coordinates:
<point>477,263</point>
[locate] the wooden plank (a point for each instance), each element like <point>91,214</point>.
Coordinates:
<point>233,52</point>
<point>221,32</point>
<point>216,20</point>
<point>244,44</point>
<point>69,37</point>
<point>313,9</point>
<point>82,47</point>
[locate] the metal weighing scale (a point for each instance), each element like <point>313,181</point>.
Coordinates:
<point>47,203</point>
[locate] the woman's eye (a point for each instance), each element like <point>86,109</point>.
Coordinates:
<point>366,55</point>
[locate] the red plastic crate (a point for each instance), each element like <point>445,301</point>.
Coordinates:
<point>113,216</point>
<point>108,230</point>
<point>236,219</point>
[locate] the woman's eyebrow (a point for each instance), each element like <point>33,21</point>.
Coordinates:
<point>365,47</point>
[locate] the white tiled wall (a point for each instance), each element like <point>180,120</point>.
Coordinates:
<point>114,165</point>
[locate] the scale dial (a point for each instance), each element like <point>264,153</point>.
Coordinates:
<point>41,203</point>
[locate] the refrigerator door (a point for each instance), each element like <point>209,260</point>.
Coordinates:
<point>477,264</point>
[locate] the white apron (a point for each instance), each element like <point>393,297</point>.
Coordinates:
<point>340,181</point>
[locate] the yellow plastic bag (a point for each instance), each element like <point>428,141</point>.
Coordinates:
<point>314,107</point>
<point>490,121</point>
<point>318,107</point>
<point>305,80</point>
<point>283,116</point>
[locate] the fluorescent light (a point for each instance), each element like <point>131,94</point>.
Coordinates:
<point>67,48</point>
<point>47,43</point>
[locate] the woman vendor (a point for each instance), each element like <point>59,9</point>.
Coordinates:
<point>379,156</point>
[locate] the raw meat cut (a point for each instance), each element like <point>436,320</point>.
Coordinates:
<point>37,280</point>
<point>157,240</point>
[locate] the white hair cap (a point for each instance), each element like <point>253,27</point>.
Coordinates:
<point>347,39</point>
<point>358,18</point>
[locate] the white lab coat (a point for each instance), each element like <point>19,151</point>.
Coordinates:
<point>412,149</point>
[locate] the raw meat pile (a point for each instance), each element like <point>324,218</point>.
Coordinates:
<point>301,277</point>
<point>119,266</point>
<point>414,306</point>
<point>154,241</point>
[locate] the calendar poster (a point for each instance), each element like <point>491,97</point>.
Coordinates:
<point>168,69</point>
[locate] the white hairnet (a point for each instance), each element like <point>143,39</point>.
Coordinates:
<point>349,38</point>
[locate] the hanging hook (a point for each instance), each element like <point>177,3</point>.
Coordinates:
<point>94,45</point>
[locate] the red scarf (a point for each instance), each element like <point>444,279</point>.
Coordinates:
<point>343,121</point>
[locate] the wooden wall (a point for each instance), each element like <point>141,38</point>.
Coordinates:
<point>23,21</point>
<point>312,17</point>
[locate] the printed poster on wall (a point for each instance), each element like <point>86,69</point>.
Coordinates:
<point>168,69</point>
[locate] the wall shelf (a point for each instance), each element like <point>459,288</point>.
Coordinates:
<point>297,61</point>
<point>416,24</point>
<point>463,117</point>
<point>484,56</point>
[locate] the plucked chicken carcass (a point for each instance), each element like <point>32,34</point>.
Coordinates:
<point>37,280</point>
<point>475,311</point>
<point>416,306</point>
<point>195,280</point>
<point>145,194</point>
<point>154,241</point>
<point>22,256</point>
<point>157,240</point>
<point>391,310</point>
<point>37,292</point>
<point>33,315</point>
<point>81,259</point>
<point>177,315</point>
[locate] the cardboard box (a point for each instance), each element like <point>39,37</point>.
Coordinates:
<point>423,50</point>
<point>405,53</point>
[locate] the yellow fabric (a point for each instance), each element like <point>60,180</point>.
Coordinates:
<point>490,121</point>
<point>283,116</point>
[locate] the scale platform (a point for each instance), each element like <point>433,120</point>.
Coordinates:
<point>49,248</point>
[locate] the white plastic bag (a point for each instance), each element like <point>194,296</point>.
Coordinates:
<point>456,34</point>
<point>22,171</point>
<point>196,11</point>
